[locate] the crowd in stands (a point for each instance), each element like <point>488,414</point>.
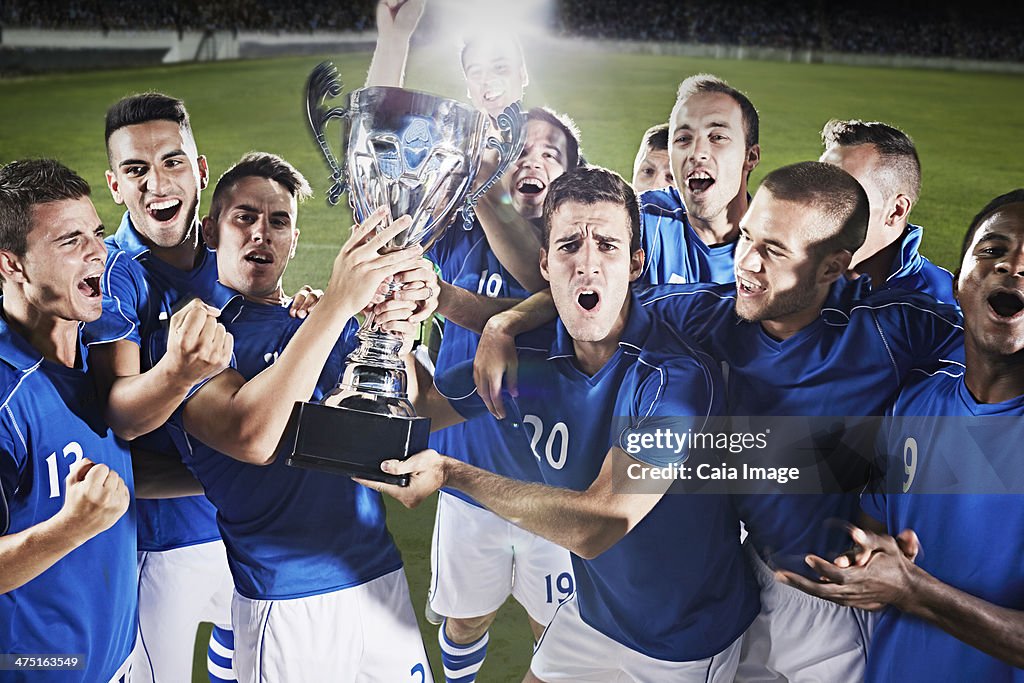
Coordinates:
<point>918,28</point>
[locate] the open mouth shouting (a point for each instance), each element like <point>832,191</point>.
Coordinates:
<point>699,180</point>
<point>530,186</point>
<point>260,258</point>
<point>588,299</point>
<point>89,286</point>
<point>1006,304</point>
<point>164,210</point>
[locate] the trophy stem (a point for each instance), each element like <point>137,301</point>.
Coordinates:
<point>375,379</point>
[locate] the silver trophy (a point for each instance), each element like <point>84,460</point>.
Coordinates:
<point>416,154</point>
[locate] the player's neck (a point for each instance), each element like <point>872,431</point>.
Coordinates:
<point>274,297</point>
<point>592,356</point>
<point>993,378</point>
<point>784,327</point>
<point>723,228</point>
<point>54,338</point>
<point>184,256</point>
<point>878,262</point>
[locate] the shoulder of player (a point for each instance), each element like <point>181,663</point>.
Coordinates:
<point>668,350</point>
<point>923,383</point>
<point>705,294</point>
<point>14,380</point>
<point>663,202</point>
<point>900,305</point>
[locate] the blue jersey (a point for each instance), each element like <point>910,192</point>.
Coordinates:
<point>673,252</point>
<point>941,441</point>
<point>466,260</point>
<point>914,273</point>
<point>289,532</point>
<point>850,361</point>
<point>650,591</point>
<point>85,604</point>
<point>139,295</point>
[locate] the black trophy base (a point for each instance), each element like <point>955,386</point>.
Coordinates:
<point>351,442</point>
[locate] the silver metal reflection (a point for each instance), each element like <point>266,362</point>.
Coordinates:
<point>418,155</point>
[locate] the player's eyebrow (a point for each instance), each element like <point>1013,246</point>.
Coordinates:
<point>173,153</point>
<point>993,237</point>
<point>69,234</point>
<point>719,124</point>
<point>777,244</point>
<point>606,238</point>
<point>575,237</point>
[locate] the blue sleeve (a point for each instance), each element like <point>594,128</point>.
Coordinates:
<point>12,461</point>
<point>456,384</point>
<point>873,500</point>
<point>443,253</point>
<point>929,332</point>
<point>680,395</point>
<point>125,294</point>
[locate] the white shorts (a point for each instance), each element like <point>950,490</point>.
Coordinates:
<point>124,672</point>
<point>800,638</point>
<point>570,650</point>
<point>477,559</point>
<point>178,589</point>
<point>364,633</point>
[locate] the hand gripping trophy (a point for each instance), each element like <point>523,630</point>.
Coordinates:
<point>416,154</point>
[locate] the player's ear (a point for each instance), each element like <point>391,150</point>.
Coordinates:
<point>295,243</point>
<point>753,158</point>
<point>210,233</point>
<point>835,266</point>
<point>544,263</point>
<point>636,264</point>
<point>114,188</point>
<point>11,268</point>
<point>899,210</point>
<point>204,172</point>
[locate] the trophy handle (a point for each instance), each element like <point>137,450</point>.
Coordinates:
<point>510,121</point>
<point>324,82</point>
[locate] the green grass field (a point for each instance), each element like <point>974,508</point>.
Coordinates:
<point>968,128</point>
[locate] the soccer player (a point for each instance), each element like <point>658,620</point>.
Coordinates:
<point>690,229</point>
<point>884,161</point>
<point>319,585</point>
<point>479,559</point>
<point>651,169</point>
<point>800,339</point>
<point>950,581</point>
<point>647,606</point>
<point>156,261</point>
<point>67,546</point>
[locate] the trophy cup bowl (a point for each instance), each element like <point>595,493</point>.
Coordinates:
<point>419,155</point>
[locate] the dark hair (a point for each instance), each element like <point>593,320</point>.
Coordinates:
<point>591,185</point>
<point>894,147</point>
<point>656,137</point>
<point>706,83</point>
<point>1011,197</point>
<point>830,190</point>
<point>567,126</point>
<point>260,165</point>
<point>142,108</point>
<point>25,184</point>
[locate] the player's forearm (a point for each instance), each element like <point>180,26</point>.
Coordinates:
<point>387,66</point>
<point>514,240</point>
<point>582,523</point>
<point>28,553</point>
<point>525,316</point>
<point>138,404</point>
<point>995,630</point>
<point>256,415</point>
<point>467,309</point>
